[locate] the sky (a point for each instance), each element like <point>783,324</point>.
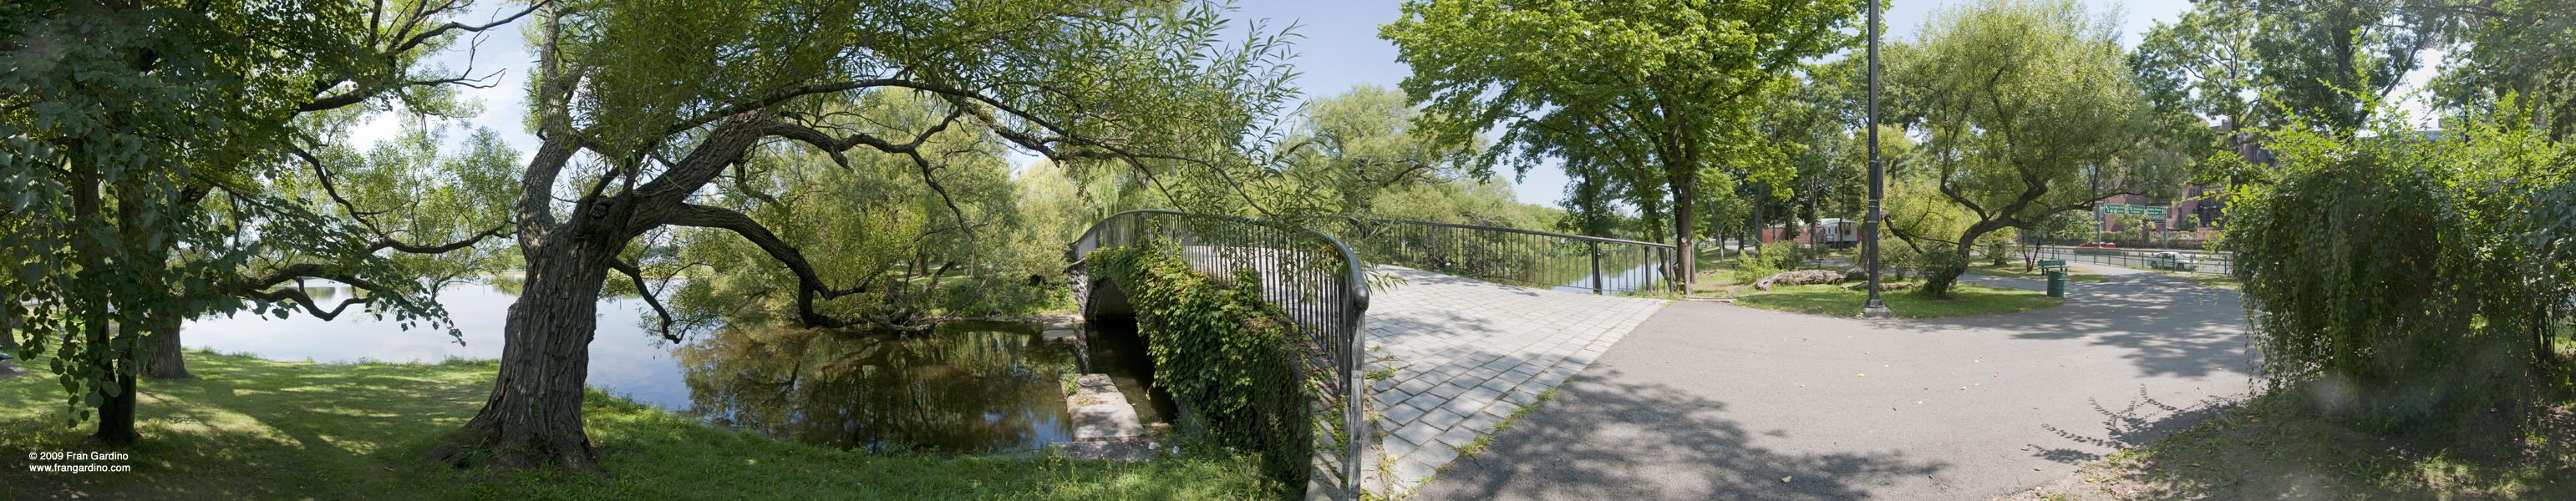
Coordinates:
<point>1337,47</point>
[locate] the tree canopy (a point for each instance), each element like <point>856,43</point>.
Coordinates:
<point>643,108</point>
<point>143,149</point>
<point>1636,96</point>
<point>2027,111</point>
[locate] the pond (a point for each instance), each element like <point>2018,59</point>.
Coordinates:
<point>967,387</point>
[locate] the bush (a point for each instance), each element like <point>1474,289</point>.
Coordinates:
<point>2386,271</point>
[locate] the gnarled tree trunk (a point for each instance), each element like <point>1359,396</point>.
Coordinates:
<point>533,416</point>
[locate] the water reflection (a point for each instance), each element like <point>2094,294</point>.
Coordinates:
<point>1642,274</point>
<point>965,387</point>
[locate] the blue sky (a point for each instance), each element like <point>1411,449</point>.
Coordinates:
<point>1337,48</point>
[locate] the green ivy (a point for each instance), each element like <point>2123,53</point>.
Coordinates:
<point>1223,351</point>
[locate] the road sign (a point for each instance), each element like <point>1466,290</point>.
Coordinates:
<point>2132,210</point>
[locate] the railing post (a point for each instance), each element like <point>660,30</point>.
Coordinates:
<point>1595,251</point>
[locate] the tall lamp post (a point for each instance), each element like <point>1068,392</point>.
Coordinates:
<point>1876,308</point>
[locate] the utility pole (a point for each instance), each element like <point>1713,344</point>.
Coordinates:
<point>1876,308</point>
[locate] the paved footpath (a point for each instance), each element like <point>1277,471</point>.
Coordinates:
<point>1466,353</point>
<point>1713,401</point>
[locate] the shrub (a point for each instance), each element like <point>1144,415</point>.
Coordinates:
<point>2386,270</point>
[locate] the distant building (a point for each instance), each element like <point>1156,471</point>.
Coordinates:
<point>2201,206</point>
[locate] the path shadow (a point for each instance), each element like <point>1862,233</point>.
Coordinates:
<point>1607,440</point>
<point>2141,422</point>
<point>2172,327</point>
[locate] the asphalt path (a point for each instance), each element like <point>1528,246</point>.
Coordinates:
<point>1714,401</point>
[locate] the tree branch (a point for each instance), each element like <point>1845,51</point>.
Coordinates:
<point>641,290</point>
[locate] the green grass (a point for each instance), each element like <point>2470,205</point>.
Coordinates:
<point>257,429</point>
<point>2013,269</point>
<point>2228,282</point>
<point>2277,447</point>
<point>1967,299</point>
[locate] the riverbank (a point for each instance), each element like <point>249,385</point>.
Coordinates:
<point>253,428</point>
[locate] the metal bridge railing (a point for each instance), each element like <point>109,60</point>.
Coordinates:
<point>1313,278</point>
<point>1573,263</point>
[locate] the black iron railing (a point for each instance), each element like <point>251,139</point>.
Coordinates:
<point>1521,257</point>
<point>1310,276</point>
<point>2219,263</point>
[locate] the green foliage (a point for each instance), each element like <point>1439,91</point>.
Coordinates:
<point>964,248</point>
<point>1224,352</point>
<point>2027,112</point>
<point>140,152</point>
<point>2520,61</point>
<point>2325,62</point>
<point>2388,268</point>
<point>1636,98</point>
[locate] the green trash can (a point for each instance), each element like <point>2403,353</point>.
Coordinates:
<point>2057,284</point>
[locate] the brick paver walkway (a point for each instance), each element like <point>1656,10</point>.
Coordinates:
<point>1467,353</point>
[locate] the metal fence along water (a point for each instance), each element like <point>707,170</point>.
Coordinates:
<point>1540,259</point>
<point>2218,263</point>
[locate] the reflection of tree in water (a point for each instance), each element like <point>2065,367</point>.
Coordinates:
<point>965,387</point>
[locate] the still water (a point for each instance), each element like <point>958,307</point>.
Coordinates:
<point>966,387</point>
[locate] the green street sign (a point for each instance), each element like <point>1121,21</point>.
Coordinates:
<point>2132,210</point>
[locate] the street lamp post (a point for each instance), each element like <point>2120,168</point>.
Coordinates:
<point>1876,308</point>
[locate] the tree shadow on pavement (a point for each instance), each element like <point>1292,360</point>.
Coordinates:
<point>2141,422</point>
<point>1607,440</point>
<point>2172,327</point>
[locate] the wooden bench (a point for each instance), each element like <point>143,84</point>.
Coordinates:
<point>2056,265</point>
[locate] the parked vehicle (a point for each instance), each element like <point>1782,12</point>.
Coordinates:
<point>2098,245</point>
<point>2174,261</point>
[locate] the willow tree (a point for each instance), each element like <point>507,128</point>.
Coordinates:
<point>640,108</point>
<point>2027,111</point>
<point>1671,86</point>
<point>137,140</point>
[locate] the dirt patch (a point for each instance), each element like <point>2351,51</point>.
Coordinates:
<point>2274,448</point>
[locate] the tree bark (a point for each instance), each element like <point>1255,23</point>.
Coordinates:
<point>168,360</point>
<point>533,416</point>
<point>1686,248</point>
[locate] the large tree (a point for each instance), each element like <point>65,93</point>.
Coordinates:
<point>2027,111</point>
<point>138,142</point>
<point>2522,49</point>
<point>2327,59</point>
<point>641,107</point>
<point>1660,90</point>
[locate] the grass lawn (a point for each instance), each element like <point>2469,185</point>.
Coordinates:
<point>2228,282</point>
<point>2013,269</point>
<point>2277,447</point>
<point>257,429</point>
<point>1967,299</point>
